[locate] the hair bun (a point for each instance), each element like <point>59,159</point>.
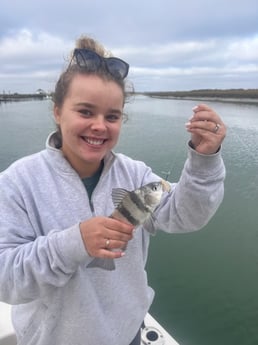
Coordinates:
<point>85,42</point>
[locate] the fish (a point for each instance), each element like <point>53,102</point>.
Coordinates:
<point>134,207</point>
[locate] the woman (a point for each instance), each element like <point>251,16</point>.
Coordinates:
<point>55,208</point>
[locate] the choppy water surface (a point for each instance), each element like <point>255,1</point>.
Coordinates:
<point>206,282</point>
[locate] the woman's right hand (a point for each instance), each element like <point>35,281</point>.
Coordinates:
<point>102,235</point>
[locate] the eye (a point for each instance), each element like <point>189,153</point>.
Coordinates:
<point>85,112</point>
<point>155,188</point>
<point>113,117</point>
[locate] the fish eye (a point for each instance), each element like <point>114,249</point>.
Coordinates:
<point>155,188</point>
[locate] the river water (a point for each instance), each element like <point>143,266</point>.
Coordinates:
<point>206,282</point>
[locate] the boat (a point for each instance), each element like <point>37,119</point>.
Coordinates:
<point>7,336</point>
<point>152,332</point>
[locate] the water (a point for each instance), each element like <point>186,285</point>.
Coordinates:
<point>23,129</point>
<point>206,282</point>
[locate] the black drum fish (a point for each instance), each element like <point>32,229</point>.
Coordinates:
<point>134,207</point>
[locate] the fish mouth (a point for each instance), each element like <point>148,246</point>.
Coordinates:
<point>94,141</point>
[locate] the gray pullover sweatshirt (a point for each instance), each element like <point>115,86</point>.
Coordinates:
<point>58,299</point>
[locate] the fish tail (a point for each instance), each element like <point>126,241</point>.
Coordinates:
<point>106,264</point>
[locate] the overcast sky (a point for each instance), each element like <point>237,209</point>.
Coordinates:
<point>169,44</point>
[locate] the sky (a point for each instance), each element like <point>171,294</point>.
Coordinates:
<point>170,44</point>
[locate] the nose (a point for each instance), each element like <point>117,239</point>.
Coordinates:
<point>98,123</point>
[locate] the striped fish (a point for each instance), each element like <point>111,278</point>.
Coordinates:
<point>134,207</point>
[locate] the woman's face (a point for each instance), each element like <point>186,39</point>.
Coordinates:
<point>90,120</point>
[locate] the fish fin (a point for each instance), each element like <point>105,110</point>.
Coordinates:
<point>118,195</point>
<point>149,225</point>
<point>106,264</point>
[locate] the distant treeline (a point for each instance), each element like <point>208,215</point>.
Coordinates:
<point>209,93</point>
<point>240,94</point>
<point>5,97</point>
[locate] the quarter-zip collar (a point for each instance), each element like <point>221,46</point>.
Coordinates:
<point>58,161</point>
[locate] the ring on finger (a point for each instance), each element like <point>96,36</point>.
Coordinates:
<point>216,128</point>
<point>107,243</point>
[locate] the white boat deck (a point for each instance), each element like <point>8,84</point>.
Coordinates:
<point>7,336</point>
<point>153,334</point>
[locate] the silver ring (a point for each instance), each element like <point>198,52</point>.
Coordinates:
<point>107,243</point>
<point>217,127</point>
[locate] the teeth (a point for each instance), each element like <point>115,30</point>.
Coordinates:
<point>94,141</point>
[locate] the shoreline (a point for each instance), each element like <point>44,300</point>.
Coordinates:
<point>210,99</point>
<point>21,97</point>
<point>246,96</point>
<point>241,96</point>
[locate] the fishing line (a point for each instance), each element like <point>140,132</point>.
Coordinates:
<point>168,172</point>
<point>175,158</point>
<point>178,152</point>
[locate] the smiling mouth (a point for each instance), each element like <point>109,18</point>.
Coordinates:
<point>94,141</point>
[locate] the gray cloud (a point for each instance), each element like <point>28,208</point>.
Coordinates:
<point>169,44</point>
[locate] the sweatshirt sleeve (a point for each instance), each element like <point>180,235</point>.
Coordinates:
<point>196,197</point>
<point>30,264</point>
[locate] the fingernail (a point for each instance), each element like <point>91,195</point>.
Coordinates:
<point>195,108</point>
<point>122,254</point>
<point>187,124</point>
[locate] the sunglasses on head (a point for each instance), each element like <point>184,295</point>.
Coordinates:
<point>92,61</point>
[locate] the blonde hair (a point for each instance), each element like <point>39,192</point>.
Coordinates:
<point>86,42</point>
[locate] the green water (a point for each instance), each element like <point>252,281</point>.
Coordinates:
<point>206,282</point>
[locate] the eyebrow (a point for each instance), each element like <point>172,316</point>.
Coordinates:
<point>92,106</point>
<point>85,104</point>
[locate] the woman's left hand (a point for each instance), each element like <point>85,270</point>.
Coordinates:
<point>207,130</point>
